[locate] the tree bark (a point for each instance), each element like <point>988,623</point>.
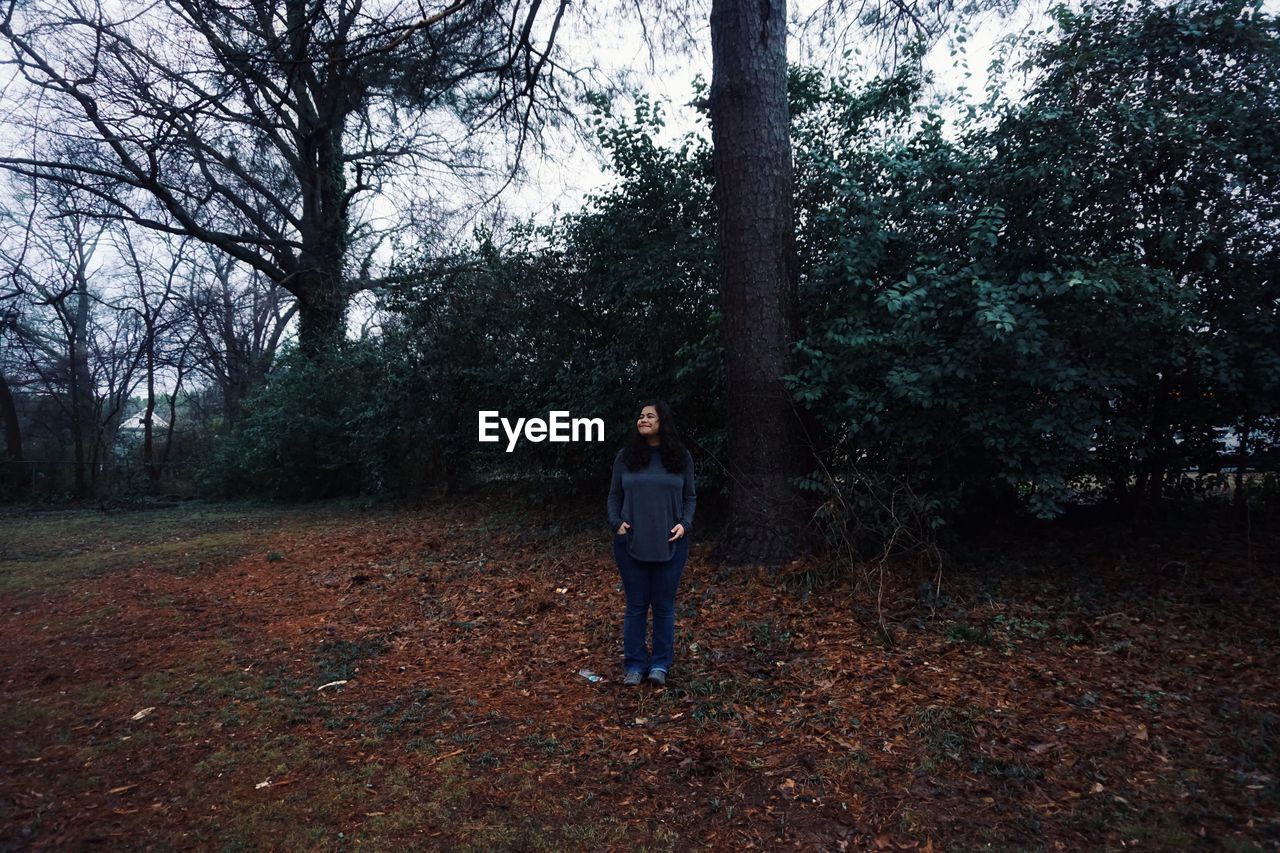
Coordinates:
<point>1239,497</point>
<point>1149,489</point>
<point>322,315</point>
<point>148,438</point>
<point>753,193</point>
<point>320,284</point>
<point>12,437</point>
<point>83,422</point>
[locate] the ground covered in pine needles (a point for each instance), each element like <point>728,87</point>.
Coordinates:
<point>333,677</point>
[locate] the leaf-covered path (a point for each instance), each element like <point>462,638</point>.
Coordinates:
<point>326,676</point>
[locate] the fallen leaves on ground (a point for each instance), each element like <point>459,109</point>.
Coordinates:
<point>412,676</point>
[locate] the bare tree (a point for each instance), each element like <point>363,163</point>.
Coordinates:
<point>235,320</point>
<point>12,430</point>
<point>88,312</point>
<point>260,126</point>
<point>118,346</point>
<point>154,274</point>
<point>49,269</point>
<point>10,305</point>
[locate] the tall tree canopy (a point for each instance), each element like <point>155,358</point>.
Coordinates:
<point>266,127</point>
<point>1081,289</point>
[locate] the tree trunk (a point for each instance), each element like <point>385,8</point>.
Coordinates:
<point>12,438</point>
<point>322,314</point>
<point>83,422</point>
<point>173,412</point>
<point>1150,486</point>
<point>322,299</point>
<point>1240,497</point>
<point>148,434</point>
<point>756,248</point>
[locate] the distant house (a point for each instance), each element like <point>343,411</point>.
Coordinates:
<point>129,435</point>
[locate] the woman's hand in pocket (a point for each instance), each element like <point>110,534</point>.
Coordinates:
<point>623,528</point>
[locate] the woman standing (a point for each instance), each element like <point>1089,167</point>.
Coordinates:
<point>651,502</point>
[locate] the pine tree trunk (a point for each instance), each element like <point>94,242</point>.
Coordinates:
<point>322,299</point>
<point>12,438</point>
<point>756,243</point>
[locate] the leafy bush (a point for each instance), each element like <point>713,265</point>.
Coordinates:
<point>322,426</point>
<point>991,322</point>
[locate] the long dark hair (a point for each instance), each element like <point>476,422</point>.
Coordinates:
<point>636,452</point>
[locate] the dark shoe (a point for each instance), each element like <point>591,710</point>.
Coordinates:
<point>632,678</point>
<point>658,677</point>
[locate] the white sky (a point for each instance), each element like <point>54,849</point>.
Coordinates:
<point>560,184</point>
<point>560,181</point>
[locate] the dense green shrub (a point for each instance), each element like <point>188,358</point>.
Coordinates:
<point>1075,291</point>
<point>589,315</point>
<point>992,320</point>
<point>322,426</point>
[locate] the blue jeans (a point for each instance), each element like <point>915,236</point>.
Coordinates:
<point>649,584</point>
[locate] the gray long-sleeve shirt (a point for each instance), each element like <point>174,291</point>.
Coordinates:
<point>652,500</point>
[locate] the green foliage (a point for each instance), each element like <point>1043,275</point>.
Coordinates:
<point>969,634</point>
<point>992,319</point>
<point>589,315</point>
<point>1147,154</point>
<point>1076,291</point>
<point>322,426</point>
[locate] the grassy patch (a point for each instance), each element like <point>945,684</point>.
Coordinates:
<point>549,744</point>
<point>183,558</point>
<point>767,637</point>
<point>849,765</point>
<point>1008,770</point>
<point>969,634</point>
<point>713,699</point>
<point>1253,735</point>
<point>946,732</point>
<point>713,712</point>
<point>40,550</point>
<point>410,715</point>
<point>1156,829</point>
<point>337,660</point>
<point>45,549</point>
<point>98,614</point>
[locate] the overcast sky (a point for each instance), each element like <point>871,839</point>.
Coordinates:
<point>559,180</point>
<point>559,183</point>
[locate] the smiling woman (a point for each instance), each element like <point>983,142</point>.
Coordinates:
<point>651,503</point>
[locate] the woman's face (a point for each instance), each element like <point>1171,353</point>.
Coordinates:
<point>648,422</point>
